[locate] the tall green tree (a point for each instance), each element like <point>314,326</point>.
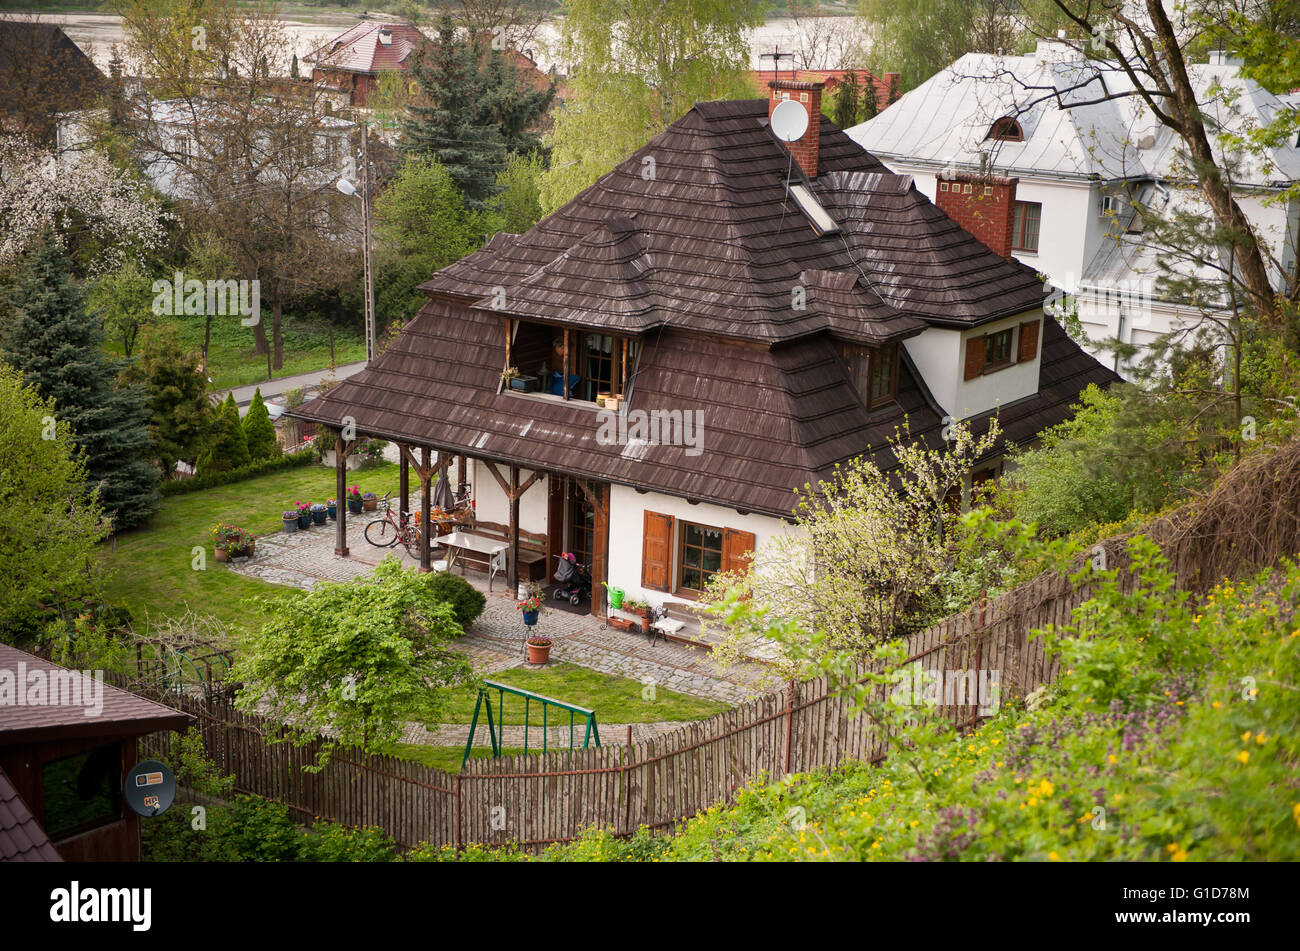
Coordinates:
<point>422,224</point>
<point>513,104</point>
<point>357,659</point>
<point>848,102</point>
<point>122,300</point>
<point>180,415</point>
<point>228,448</point>
<point>637,68</point>
<point>259,432</point>
<point>48,557</point>
<point>452,123</point>
<point>51,338</point>
<point>520,202</point>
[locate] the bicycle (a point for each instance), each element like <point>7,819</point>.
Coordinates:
<point>388,531</point>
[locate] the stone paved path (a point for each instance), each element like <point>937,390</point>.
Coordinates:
<point>495,642</point>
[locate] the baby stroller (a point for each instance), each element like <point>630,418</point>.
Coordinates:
<point>574,580</point>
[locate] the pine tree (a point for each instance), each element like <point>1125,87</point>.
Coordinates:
<point>847,97</point>
<point>514,106</point>
<point>180,413</point>
<point>259,433</point>
<point>52,340</point>
<point>452,124</point>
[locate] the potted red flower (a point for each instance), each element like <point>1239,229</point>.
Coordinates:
<point>354,500</point>
<point>539,649</point>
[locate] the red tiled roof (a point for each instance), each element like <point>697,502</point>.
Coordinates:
<point>21,837</point>
<point>123,712</point>
<point>358,49</point>
<point>886,87</point>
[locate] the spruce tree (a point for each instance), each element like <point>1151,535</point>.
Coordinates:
<point>847,97</point>
<point>259,432</point>
<point>180,413</point>
<point>58,347</point>
<point>451,122</point>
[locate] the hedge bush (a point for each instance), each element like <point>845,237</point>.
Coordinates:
<point>213,479</point>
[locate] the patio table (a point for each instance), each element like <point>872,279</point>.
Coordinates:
<point>457,542</point>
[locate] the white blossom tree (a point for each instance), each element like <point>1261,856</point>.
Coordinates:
<point>87,198</point>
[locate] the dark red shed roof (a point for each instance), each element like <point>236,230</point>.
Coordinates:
<point>122,714</point>
<point>21,837</point>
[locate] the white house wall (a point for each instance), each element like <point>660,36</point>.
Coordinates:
<point>940,357</point>
<point>491,504</point>
<point>627,510</point>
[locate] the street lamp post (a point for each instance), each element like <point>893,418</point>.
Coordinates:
<point>347,188</point>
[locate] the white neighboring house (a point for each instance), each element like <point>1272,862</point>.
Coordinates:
<point>185,129</point>
<point>1070,170</point>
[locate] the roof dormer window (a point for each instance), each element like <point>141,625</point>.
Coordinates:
<point>1006,129</point>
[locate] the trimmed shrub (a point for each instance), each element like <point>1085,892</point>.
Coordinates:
<point>466,601</point>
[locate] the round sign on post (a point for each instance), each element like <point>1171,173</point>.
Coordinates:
<point>150,788</point>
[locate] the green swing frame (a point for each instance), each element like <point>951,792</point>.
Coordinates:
<point>484,704</point>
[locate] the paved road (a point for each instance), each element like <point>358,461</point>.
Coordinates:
<point>281,385</point>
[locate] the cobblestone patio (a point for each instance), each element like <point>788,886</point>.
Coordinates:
<point>495,642</point>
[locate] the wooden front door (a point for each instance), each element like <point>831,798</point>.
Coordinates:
<point>582,525</point>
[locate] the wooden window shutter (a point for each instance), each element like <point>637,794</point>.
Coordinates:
<point>736,548</point>
<point>656,551</point>
<point>975,348</point>
<point>1028,340</point>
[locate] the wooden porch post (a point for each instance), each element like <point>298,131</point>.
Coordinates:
<point>462,464</point>
<point>600,556</point>
<point>426,502</point>
<point>404,482</point>
<point>340,495</point>
<point>512,574</point>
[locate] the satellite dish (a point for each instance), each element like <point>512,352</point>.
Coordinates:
<point>789,121</point>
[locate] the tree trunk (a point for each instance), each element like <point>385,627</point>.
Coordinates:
<point>276,336</point>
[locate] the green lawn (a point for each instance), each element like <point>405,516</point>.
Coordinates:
<point>232,362</point>
<point>614,699</point>
<point>447,758</point>
<point>152,565</point>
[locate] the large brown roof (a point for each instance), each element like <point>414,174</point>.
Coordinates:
<point>699,261</point>
<point>703,216</point>
<point>123,712</point>
<point>21,837</point>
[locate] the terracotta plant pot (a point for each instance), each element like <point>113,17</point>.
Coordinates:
<point>370,504</point>
<point>221,555</point>
<point>537,654</point>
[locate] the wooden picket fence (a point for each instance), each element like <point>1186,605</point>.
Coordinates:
<point>538,800</point>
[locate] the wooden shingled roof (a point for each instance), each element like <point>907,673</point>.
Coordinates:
<point>699,260</point>
<point>724,244</point>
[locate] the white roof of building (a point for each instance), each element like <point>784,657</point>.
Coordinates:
<point>1052,94</point>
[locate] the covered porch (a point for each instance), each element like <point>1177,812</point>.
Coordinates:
<point>571,511</point>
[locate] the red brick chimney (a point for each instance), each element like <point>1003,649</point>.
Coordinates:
<point>982,204</point>
<point>809,95</point>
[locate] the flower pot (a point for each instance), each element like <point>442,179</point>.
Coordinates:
<point>246,551</point>
<point>304,519</point>
<point>526,384</point>
<point>319,515</point>
<point>370,504</point>
<point>291,524</point>
<point>354,506</point>
<point>538,654</point>
<point>530,618</point>
<point>332,511</point>
<point>220,554</point>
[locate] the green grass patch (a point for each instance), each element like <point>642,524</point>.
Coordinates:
<point>231,358</point>
<point>153,566</point>
<point>614,699</point>
<point>446,758</point>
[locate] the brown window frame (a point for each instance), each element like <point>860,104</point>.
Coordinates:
<point>678,570</point>
<point>865,383</point>
<point>1019,222</point>
<point>1005,129</point>
<point>992,366</point>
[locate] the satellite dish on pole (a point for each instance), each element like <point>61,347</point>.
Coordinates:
<point>789,121</point>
